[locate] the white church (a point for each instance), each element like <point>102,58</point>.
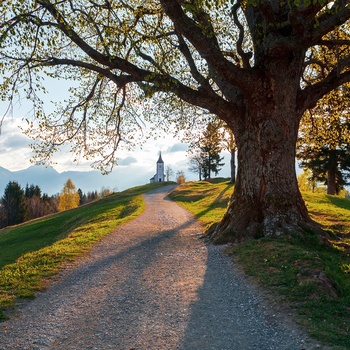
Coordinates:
<point>159,176</point>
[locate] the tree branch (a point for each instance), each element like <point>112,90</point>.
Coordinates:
<point>311,94</point>
<point>245,56</point>
<point>330,21</point>
<point>207,46</point>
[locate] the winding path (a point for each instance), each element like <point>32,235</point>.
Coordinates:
<point>151,284</point>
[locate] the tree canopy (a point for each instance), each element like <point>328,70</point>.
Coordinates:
<point>253,64</point>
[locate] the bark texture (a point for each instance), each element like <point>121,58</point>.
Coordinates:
<point>266,199</point>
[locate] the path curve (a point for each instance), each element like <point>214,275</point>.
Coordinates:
<point>151,284</point>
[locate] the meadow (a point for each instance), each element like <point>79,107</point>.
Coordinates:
<point>308,275</point>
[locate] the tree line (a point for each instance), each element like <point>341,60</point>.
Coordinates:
<point>18,205</point>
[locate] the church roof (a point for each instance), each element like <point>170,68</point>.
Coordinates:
<point>160,160</point>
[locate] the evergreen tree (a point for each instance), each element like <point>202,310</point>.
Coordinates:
<point>206,150</point>
<point>13,203</point>
<point>324,140</point>
<point>212,162</point>
<point>32,190</point>
<point>82,200</point>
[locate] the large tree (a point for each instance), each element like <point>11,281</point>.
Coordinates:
<point>241,60</point>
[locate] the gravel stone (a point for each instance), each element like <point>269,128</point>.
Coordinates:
<point>152,284</point>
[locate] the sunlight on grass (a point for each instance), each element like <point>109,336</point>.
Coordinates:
<point>207,201</point>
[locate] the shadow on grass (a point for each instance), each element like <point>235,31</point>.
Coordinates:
<point>343,203</point>
<point>217,203</point>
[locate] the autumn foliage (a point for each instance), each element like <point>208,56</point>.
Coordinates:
<point>69,197</point>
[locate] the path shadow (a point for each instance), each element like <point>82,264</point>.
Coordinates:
<point>228,315</point>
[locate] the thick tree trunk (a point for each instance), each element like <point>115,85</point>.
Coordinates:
<point>266,199</point>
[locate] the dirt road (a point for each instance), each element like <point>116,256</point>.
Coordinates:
<point>151,284</point>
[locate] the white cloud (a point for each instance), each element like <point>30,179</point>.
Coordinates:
<point>127,161</point>
<point>14,146</point>
<point>178,147</point>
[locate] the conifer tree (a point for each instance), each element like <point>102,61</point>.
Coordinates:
<point>324,140</point>
<point>13,203</point>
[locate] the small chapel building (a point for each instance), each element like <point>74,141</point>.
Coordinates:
<point>159,176</point>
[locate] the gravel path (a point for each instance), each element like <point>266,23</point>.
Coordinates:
<point>151,284</point>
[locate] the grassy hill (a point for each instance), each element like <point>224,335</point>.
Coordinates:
<point>33,251</point>
<point>310,275</point>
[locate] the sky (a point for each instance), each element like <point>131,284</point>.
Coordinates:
<point>134,167</point>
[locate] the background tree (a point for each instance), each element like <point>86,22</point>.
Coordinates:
<point>306,182</point>
<point>208,148</point>
<point>82,197</point>
<point>13,203</point>
<point>50,204</point>
<point>38,204</point>
<point>34,204</point>
<point>229,144</point>
<point>169,172</point>
<point>225,140</point>
<point>180,177</point>
<point>69,197</point>
<point>250,63</point>
<point>324,140</point>
<point>196,160</point>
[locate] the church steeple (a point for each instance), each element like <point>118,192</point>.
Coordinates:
<point>159,176</point>
<point>160,160</point>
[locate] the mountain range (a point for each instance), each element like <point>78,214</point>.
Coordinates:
<point>51,181</point>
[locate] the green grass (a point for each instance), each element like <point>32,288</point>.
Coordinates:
<point>207,200</point>
<point>33,251</point>
<point>284,266</point>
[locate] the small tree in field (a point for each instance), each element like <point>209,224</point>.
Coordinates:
<point>196,163</point>
<point>180,177</point>
<point>169,172</point>
<point>69,197</point>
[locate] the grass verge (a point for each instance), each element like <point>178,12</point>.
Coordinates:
<point>309,275</point>
<point>33,251</point>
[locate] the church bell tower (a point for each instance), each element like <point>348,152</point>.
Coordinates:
<point>159,176</point>
<point>160,169</point>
